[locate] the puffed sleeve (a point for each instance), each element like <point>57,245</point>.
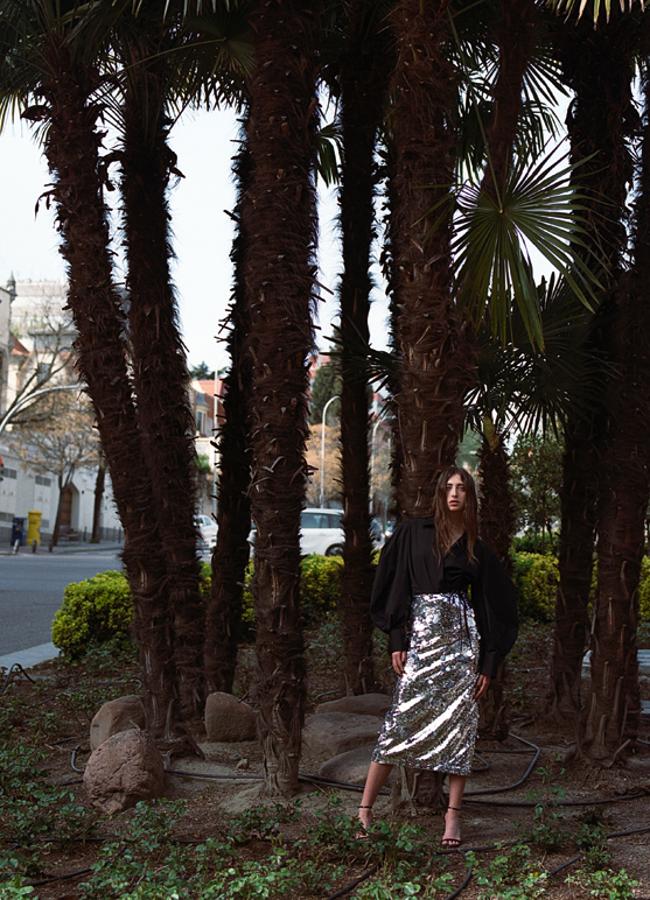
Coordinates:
<point>391,591</point>
<point>495,604</point>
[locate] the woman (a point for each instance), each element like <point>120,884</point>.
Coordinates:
<point>445,645</point>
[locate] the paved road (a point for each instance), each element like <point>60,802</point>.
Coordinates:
<point>31,590</point>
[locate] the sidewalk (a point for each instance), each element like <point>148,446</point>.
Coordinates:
<point>65,548</point>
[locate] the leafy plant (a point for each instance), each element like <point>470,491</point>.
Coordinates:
<point>606,883</point>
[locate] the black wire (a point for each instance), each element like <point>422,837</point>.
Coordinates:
<point>352,884</point>
<point>459,890</point>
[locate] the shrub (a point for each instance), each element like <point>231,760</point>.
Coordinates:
<point>536,577</point>
<point>93,611</point>
<point>100,608</point>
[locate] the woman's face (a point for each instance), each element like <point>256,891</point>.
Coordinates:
<point>455,494</point>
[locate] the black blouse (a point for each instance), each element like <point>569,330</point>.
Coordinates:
<point>409,565</point>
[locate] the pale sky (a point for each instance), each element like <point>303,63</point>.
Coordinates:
<point>205,143</point>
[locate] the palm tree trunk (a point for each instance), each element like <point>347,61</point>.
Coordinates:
<point>159,362</point>
<point>578,523</point>
<point>99,495</point>
<point>596,65</point>
<point>496,503</point>
<point>278,218</point>
<point>436,366</point>
<point>72,150</point>
<point>614,704</point>
<point>363,88</point>
<point>223,613</point>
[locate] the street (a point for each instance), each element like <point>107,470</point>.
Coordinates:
<point>31,591</point>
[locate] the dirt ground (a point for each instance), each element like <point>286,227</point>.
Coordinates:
<point>620,794</point>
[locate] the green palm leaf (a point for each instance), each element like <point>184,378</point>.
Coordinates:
<point>541,207</point>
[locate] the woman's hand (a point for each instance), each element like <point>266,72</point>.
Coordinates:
<point>398,659</point>
<point>481,686</point>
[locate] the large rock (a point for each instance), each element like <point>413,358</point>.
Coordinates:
<point>115,716</point>
<point>335,732</point>
<point>229,719</point>
<point>125,768</point>
<point>363,704</point>
<point>350,767</point>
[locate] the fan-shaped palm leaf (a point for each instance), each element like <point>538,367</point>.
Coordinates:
<point>541,208</point>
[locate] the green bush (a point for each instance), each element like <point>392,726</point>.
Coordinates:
<point>536,577</point>
<point>93,611</point>
<point>100,608</point>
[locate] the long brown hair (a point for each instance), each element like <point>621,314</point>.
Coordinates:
<point>444,538</point>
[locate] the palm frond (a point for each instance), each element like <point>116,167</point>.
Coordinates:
<point>541,207</point>
<point>594,8</point>
<point>329,144</point>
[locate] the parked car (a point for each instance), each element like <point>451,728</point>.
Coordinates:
<point>207,528</point>
<point>321,531</point>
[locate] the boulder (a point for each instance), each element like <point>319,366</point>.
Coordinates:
<point>229,719</point>
<point>350,767</point>
<point>115,716</point>
<point>363,704</point>
<point>125,768</point>
<point>331,733</point>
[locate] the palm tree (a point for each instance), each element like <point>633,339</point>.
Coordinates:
<point>613,709</point>
<point>278,218</point>
<point>363,81</point>
<point>223,612</point>
<point>596,65</point>
<point>44,65</point>
<point>160,368</point>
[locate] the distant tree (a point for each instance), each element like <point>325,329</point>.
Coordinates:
<point>62,443</point>
<point>536,470</point>
<point>201,372</point>
<point>326,384</point>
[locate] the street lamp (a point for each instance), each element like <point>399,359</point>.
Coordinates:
<point>322,449</point>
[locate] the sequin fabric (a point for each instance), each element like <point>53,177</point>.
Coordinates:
<point>433,719</point>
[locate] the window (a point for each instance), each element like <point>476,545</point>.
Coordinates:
<point>41,479</point>
<point>334,519</point>
<point>9,473</point>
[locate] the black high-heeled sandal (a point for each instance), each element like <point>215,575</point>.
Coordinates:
<point>450,843</point>
<point>363,834</point>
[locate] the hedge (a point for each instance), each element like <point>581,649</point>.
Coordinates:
<point>100,608</point>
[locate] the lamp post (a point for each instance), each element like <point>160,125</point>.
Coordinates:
<point>322,448</point>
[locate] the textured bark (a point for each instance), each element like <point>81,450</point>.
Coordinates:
<point>159,362</point>
<point>363,88</point>
<point>515,38</point>
<point>496,505</point>
<point>596,65</point>
<point>578,522</point>
<point>497,529</point>
<point>614,704</point>
<point>100,481</point>
<point>72,150</point>
<point>387,261</point>
<point>435,358</point>
<point>223,613</point>
<point>278,218</point>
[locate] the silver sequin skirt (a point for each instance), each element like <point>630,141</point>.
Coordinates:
<point>433,719</point>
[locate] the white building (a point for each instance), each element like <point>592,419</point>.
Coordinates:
<point>34,329</point>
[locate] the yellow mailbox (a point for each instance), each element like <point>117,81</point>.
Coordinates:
<point>34,517</point>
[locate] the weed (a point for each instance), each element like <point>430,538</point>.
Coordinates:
<point>605,883</point>
<point>509,876</point>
